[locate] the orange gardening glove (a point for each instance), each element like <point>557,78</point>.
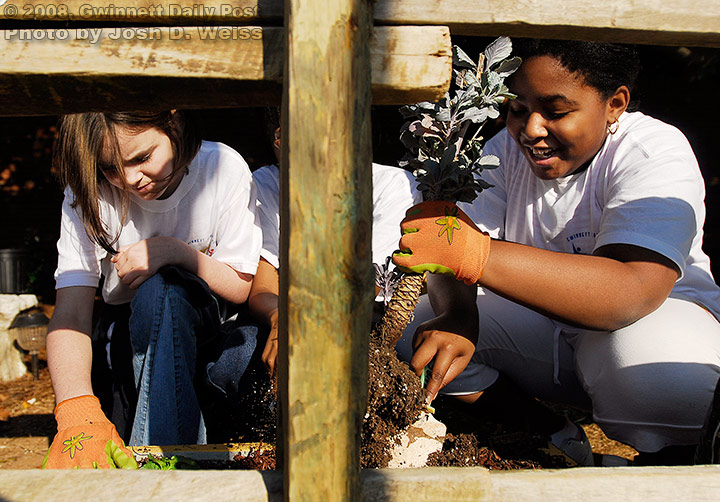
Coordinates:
<point>86,439</point>
<point>439,238</point>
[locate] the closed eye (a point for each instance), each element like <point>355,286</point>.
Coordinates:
<point>556,115</point>
<point>139,159</point>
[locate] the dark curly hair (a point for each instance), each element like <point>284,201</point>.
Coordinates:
<point>604,66</point>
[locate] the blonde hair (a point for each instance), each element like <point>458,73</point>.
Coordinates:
<point>78,151</point>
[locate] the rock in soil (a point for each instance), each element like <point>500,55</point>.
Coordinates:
<point>414,445</point>
<point>395,401</point>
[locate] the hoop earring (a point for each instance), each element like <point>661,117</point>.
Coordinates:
<point>611,129</point>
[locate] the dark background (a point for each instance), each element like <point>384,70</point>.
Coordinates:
<point>679,85</point>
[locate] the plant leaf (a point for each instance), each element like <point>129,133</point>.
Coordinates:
<point>444,115</point>
<point>475,115</point>
<point>461,59</point>
<point>498,50</point>
<point>445,148</point>
<point>508,67</point>
<point>488,161</point>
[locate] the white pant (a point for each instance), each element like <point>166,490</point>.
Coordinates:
<point>650,384</point>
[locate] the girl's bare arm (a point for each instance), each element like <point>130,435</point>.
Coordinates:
<point>263,302</point>
<point>611,289</point>
<point>138,262</point>
<point>69,350</point>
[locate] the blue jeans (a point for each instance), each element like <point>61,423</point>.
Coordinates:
<point>174,330</point>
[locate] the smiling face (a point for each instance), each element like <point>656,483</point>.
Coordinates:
<point>558,120</point>
<point>148,160</point>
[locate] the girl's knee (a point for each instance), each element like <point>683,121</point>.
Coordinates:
<point>157,286</point>
<point>155,292</point>
<point>668,393</point>
<point>157,307</point>
<point>148,292</point>
<point>642,376</point>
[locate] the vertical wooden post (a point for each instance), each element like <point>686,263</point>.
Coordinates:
<point>326,278</point>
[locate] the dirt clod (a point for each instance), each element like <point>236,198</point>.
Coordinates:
<point>395,400</point>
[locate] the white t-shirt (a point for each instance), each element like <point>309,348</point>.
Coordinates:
<point>644,188</point>
<point>213,210</point>
<point>394,191</point>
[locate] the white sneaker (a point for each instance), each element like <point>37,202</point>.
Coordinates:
<point>613,461</point>
<point>573,444</point>
<point>708,451</point>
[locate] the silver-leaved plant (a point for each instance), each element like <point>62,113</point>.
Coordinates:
<point>443,138</point>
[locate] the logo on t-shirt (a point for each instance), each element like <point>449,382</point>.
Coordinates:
<point>205,245</point>
<point>582,242</point>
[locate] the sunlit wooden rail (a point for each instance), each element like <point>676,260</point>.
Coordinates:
<point>326,62</point>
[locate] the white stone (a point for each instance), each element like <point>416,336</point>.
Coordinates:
<point>11,363</point>
<point>414,446</point>
<point>12,305</point>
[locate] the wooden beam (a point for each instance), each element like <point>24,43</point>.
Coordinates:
<point>53,71</point>
<point>430,484</point>
<point>326,276</point>
<point>691,22</point>
<point>175,12</point>
<point>410,64</point>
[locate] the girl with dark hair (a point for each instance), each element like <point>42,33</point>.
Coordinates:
<point>594,289</point>
<point>168,221</point>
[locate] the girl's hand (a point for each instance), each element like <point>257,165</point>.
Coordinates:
<point>138,262</point>
<point>270,353</point>
<point>438,237</point>
<point>445,340</point>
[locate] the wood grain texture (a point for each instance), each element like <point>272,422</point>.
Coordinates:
<point>326,276</point>
<point>146,11</point>
<point>53,71</point>
<point>692,22</point>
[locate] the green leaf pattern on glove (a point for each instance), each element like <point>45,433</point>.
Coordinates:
<point>74,444</point>
<point>449,223</point>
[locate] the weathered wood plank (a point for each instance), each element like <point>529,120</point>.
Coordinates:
<point>52,71</point>
<point>431,484</point>
<point>206,52</point>
<point>326,276</point>
<point>410,63</point>
<point>693,22</point>
<point>146,11</point>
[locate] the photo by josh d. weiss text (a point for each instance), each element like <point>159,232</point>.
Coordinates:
<point>96,35</point>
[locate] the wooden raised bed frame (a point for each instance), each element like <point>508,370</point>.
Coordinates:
<point>336,59</point>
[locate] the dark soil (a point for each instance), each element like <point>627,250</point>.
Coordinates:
<point>27,426</point>
<point>464,450</point>
<point>261,459</point>
<point>479,441</point>
<point>251,417</point>
<point>395,400</point>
